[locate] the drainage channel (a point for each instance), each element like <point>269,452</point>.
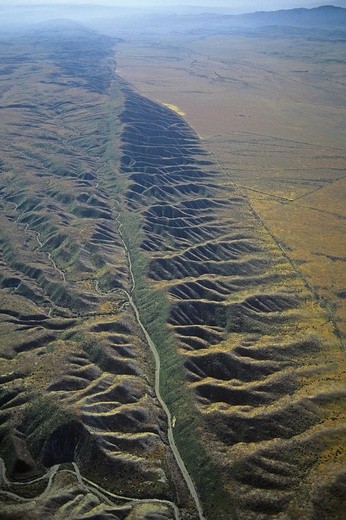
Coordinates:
<point>154,350</point>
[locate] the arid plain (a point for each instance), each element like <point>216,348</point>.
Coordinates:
<point>171,276</point>
<point>271,111</point>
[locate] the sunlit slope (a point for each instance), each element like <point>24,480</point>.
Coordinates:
<point>77,380</point>
<point>270,108</point>
<point>233,318</point>
<point>105,194</point>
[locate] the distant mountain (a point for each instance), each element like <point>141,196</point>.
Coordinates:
<point>123,21</point>
<point>324,16</point>
<point>325,21</point>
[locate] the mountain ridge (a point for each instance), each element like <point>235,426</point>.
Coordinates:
<point>321,15</point>
<point>325,16</point>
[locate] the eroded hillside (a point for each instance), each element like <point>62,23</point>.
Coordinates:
<point>261,362</point>
<point>77,382</point>
<point>116,221</point>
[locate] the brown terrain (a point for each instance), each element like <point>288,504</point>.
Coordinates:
<point>171,278</point>
<point>77,380</point>
<point>272,114</point>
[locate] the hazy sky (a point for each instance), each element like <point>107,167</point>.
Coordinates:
<point>236,5</point>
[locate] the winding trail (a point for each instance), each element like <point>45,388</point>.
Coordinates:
<point>62,274</point>
<point>51,472</point>
<point>170,420</point>
<point>86,484</point>
<point>95,487</point>
<point>154,350</point>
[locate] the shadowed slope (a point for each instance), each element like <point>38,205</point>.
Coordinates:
<point>259,354</point>
<point>77,384</point>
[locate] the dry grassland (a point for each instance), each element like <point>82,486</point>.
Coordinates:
<point>116,219</point>
<point>272,113</point>
<point>76,379</point>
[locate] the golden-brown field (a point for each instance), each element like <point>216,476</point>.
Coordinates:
<point>272,113</point>
<point>171,296</point>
